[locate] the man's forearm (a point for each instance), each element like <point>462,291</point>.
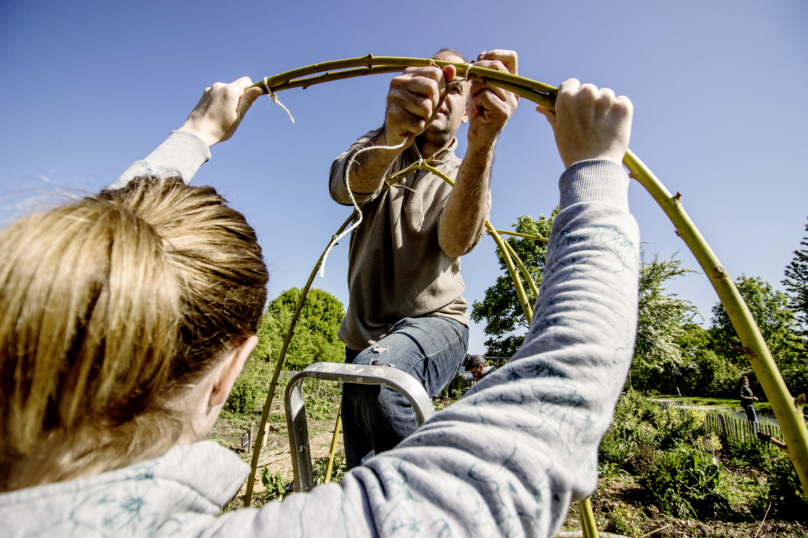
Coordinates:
<point>368,170</point>
<point>463,220</point>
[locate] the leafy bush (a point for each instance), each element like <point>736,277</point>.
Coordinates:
<point>614,451</point>
<point>319,408</point>
<point>684,483</point>
<point>276,489</point>
<point>242,397</point>
<point>320,465</point>
<point>785,492</point>
<point>743,455</point>
<point>641,428</point>
<point>623,520</point>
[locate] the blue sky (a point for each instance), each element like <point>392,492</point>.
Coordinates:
<point>719,90</point>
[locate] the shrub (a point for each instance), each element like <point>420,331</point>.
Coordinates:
<point>742,455</point>
<point>785,492</point>
<point>276,489</point>
<point>684,483</point>
<point>623,520</point>
<point>242,397</point>
<point>614,451</point>
<point>319,408</point>
<point>320,465</point>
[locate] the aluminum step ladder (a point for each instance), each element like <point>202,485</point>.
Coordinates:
<point>344,373</point>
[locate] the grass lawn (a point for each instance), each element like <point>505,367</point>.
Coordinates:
<point>718,403</point>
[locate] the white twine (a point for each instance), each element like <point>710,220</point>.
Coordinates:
<point>276,100</point>
<point>358,219</point>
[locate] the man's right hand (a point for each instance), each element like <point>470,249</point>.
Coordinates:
<point>590,123</point>
<point>413,102</point>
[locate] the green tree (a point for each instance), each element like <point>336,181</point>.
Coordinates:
<point>501,308</point>
<point>796,284</point>
<point>704,372</point>
<point>660,326</point>
<point>315,338</point>
<point>778,325</point>
<point>774,317</point>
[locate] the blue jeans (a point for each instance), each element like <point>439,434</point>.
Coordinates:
<point>376,418</point>
<point>751,415</point>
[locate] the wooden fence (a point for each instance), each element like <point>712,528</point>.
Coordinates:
<point>727,426</point>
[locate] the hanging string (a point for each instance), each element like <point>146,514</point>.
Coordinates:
<point>276,100</point>
<point>357,210</point>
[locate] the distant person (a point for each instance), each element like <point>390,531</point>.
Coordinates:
<point>748,398</point>
<point>477,366</point>
<point>125,318</point>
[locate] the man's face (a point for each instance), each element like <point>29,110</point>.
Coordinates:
<point>477,372</point>
<point>452,109</point>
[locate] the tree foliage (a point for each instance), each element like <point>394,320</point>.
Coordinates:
<point>660,325</point>
<point>501,308</point>
<point>315,338</point>
<point>774,317</point>
<point>796,284</point>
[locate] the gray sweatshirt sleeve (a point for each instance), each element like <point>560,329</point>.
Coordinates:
<point>336,178</point>
<point>182,153</point>
<point>509,457</point>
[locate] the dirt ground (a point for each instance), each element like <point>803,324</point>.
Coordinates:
<point>230,427</point>
<point>624,495</point>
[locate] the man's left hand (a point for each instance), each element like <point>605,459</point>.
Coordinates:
<point>491,107</point>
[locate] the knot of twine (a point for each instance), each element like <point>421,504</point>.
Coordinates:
<point>275,99</point>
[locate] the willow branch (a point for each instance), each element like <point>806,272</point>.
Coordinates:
<point>526,236</point>
<point>525,272</point>
<point>268,403</point>
<point>400,62</point>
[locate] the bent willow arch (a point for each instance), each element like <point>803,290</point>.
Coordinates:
<point>788,413</point>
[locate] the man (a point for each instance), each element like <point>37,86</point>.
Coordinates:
<point>477,366</point>
<point>406,308</point>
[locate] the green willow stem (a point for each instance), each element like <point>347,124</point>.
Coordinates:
<point>788,415</point>
<point>526,236</point>
<point>268,403</point>
<point>400,62</point>
<point>333,452</point>
<point>589,526</point>
<point>525,272</point>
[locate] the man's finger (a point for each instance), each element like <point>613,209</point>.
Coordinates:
<point>503,95</point>
<point>435,73</point>
<point>449,74</point>
<point>549,114</point>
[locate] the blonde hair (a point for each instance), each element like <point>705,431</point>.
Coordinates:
<point>110,308</point>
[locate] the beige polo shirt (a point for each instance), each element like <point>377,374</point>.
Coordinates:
<point>396,269</point>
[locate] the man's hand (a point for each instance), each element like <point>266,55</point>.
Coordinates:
<point>491,107</point>
<point>590,123</point>
<point>219,112</point>
<point>413,102</point>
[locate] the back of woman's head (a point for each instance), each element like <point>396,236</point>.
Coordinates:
<point>111,308</point>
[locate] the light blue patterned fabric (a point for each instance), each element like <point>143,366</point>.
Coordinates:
<point>506,460</point>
